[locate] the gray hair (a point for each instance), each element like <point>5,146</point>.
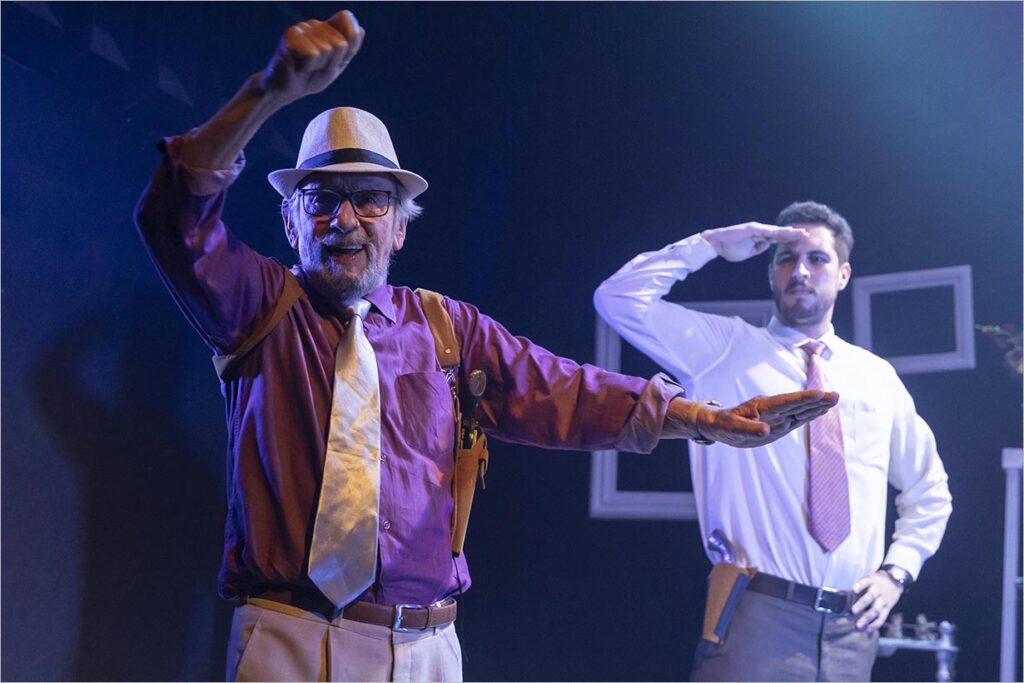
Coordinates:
<point>406,207</point>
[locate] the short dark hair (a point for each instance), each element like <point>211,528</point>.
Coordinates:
<point>813,213</point>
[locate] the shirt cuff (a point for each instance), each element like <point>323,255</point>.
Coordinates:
<point>695,250</point>
<point>904,557</point>
<point>201,182</point>
<point>644,427</point>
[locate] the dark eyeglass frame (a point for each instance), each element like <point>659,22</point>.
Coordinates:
<point>350,197</point>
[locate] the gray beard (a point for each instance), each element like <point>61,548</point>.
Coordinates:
<point>335,283</point>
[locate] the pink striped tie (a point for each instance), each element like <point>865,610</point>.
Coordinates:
<point>828,492</point>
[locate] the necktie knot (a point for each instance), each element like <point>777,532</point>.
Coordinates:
<point>813,348</point>
<point>357,308</point>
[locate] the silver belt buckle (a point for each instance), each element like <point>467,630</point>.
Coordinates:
<point>818,607</point>
<point>397,626</point>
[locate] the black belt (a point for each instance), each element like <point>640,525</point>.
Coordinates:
<point>821,599</point>
<point>397,617</point>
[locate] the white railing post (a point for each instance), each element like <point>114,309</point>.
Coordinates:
<point>1011,570</point>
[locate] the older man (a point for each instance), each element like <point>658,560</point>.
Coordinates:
<point>338,543</point>
<point>804,515</point>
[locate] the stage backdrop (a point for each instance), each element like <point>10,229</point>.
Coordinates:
<point>559,140</point>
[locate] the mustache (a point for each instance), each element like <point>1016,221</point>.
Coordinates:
<point>343,243</point>
<point>793,285</point>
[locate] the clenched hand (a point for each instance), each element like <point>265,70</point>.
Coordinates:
<point>311,55</point>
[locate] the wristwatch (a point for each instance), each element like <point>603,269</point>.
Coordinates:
<point>899,575</point>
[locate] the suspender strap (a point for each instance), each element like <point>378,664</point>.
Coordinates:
<point>445,341</point>
<point>471,461</point>
<point>290,293</point>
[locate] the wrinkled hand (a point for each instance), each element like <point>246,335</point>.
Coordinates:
<point>311,55</point>
<point>740,242</point>
<point>763,419</point>
<point>880,595</point>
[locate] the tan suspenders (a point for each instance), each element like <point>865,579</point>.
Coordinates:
<point>470,451</point>
<point>290,293</point>
<point>471,455</point>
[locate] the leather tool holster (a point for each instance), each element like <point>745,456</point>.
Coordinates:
<point>470,463</point>
<point>726,584</point>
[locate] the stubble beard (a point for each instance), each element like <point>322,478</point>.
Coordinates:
<point>799,313</point>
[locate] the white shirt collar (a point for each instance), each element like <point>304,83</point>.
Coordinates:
<point>794,338</point>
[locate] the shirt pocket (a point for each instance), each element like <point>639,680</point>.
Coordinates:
<point>427,414</point>
<point>865,435</point>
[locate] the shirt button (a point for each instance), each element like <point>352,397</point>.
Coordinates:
<point>383,457</point>
<point>387,525</point>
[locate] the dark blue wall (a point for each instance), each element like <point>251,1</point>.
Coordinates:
<point>560,139</point>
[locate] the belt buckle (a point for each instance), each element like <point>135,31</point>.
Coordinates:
<point>397,626</point>
<point>822,592</point>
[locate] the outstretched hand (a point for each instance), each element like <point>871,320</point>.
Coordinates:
<point>756,422</point>
<point>740,242</point>
<point>311,55</point>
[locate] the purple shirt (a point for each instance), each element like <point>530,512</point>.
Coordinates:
<point>279,400</point>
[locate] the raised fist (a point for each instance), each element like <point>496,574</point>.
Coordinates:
<point>311,55</point>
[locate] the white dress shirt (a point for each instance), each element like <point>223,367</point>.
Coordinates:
<point>757,497</point>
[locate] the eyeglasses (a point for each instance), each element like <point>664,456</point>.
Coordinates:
<point>365,203</point>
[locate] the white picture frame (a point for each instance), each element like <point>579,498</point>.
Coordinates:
<point>957,277</point>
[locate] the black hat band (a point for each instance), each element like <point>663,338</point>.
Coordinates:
<point>349,155</point>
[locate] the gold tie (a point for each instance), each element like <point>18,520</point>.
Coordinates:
<point>343,553</point>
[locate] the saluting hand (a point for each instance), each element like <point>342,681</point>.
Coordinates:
<point>740,242</point>
<point>311,55</point>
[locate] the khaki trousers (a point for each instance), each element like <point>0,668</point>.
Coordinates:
<point>275,642</point>
<point>770,639</point>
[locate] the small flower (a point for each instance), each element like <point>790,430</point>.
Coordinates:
<point>1007,337</point>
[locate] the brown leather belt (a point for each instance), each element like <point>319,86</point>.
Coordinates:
<point>826,600</point>
<point>403,617</point>
<point>396,617</point>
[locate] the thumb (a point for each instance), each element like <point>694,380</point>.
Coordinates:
<point>345,22</point>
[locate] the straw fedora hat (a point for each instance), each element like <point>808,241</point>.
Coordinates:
<point>346,140</point>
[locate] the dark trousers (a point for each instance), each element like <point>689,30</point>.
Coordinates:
<point>770,639</point>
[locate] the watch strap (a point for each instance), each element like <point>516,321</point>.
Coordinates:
<point>898,574</point>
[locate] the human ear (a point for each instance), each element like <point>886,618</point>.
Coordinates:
<point>289,229</point>
<point>398,241</point>
<point>845,271</point>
